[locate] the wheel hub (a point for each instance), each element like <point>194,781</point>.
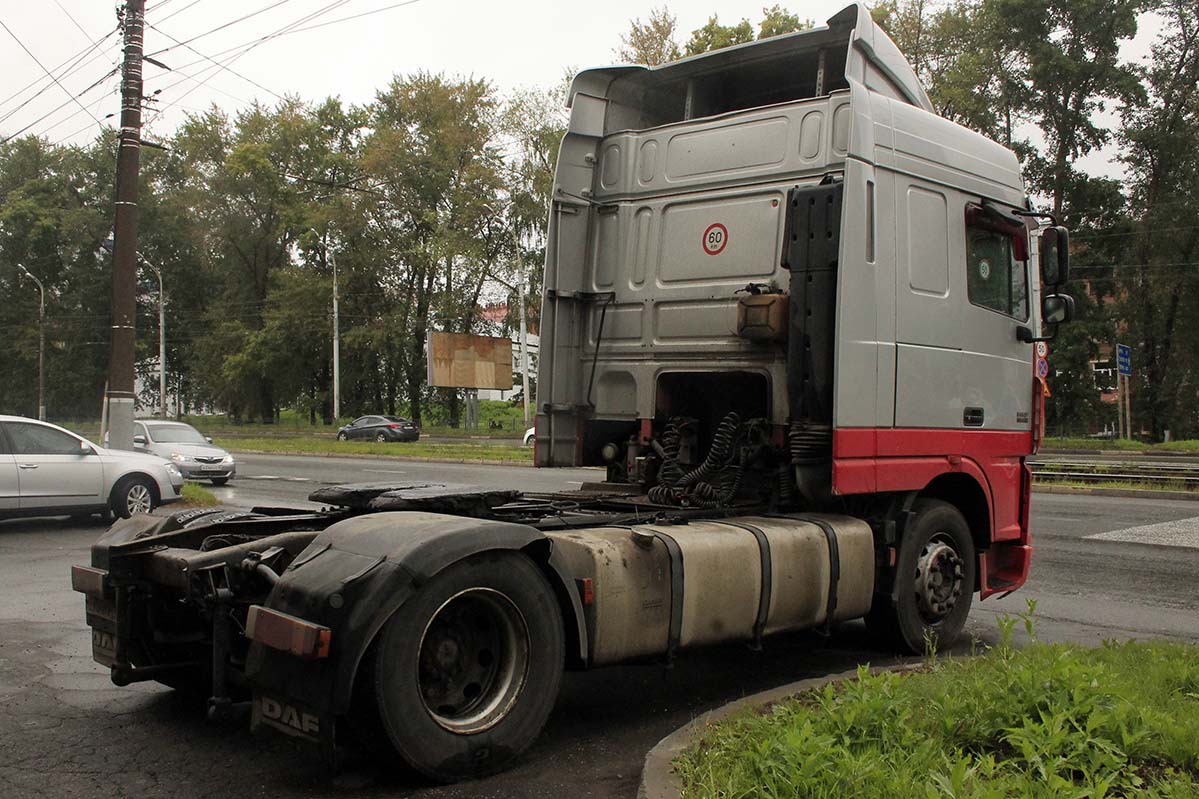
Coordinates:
<point>938,579</point>
<point>473,660</point>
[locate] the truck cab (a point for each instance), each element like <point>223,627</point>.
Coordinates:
<point>788,230</point>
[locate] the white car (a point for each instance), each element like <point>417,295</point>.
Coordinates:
<point>530,434</point>
<point>48,471</point>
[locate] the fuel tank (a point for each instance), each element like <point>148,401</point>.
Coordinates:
<point>659,587</point>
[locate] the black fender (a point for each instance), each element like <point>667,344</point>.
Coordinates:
<point>360,571</point>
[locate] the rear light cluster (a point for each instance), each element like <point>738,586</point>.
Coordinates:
<point>287,633</point>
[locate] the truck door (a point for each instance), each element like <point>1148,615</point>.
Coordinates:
<point>995,370</point>
<point>929,295</point>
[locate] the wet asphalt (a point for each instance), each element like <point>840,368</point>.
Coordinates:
<point>66,731</point>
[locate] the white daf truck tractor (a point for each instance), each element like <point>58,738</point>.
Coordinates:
<point>788,307</point>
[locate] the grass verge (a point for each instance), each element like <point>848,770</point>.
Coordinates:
<point>418,450</point>
<point>1042,721</point>
<point>196,496</point>
<point>1176,486</point>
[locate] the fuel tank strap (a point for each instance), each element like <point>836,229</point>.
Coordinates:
<point>834,558</point>
<point>676,592</point>
<point>675,553</point>
<point>767,575</point>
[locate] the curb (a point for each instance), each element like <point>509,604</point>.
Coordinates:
<point>350,456</point>
<point>658,780</point>
<point>1127,493</point>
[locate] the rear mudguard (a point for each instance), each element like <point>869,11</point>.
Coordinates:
<point>360,571</point>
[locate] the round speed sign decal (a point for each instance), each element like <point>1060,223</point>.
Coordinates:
<point>716,237</point>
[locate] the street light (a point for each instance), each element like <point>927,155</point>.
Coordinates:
<point>162,327</point>
<point>524,330</point>
<point>41,343</point>
<point>336,330</point>
<point>162,339</point>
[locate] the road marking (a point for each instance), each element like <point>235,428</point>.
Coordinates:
<point>385,471</point>
<point>1178,533</point>
<point>285,478</point>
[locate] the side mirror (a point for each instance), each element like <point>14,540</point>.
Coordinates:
<point>208,439</point>
<point>1055,256</point>
<point>86,448</point>
<point>1056,309</point>
<point>139,441</point>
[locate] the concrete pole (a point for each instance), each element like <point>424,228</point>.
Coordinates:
<point>121,395</point>
<point>524,328</point>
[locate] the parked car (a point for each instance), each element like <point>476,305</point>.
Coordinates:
<point>379,428</point>
<point>530,434</point>
<point>46,470</point>
<point>190,450</point>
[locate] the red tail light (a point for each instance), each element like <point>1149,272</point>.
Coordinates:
<point>394,426</point>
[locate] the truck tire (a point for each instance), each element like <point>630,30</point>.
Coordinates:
<point>935,577</point>
<point>463,676</point>
<point>133,494</point>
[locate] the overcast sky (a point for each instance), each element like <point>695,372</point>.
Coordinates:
<point>514,44</point>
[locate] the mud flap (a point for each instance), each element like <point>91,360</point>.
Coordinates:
<point>296,720</point>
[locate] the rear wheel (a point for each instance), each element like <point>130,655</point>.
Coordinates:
<point>934,577</point>
<point>464,675</point>
<point>133,495</point>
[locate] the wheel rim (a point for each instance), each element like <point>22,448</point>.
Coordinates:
<point>473,660</point>
<point>380,437</point>
<point>138,500</point>
<point>939,578</point>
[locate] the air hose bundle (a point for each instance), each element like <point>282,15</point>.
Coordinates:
<point>716,480</point>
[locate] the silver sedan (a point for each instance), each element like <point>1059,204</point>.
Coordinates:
<point>190,450</point>
<point>46,470</point>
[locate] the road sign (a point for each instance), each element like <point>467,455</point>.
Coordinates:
<point>1042,349</point>
<point>1042,368</point>
<point>1124,359</point>
<point>716,237</point>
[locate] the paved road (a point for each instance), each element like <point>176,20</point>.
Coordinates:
<point>66,731</point>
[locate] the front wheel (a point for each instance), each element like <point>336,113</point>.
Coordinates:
<point>464,675</point>
<point>133,495</point>
<point>934,581</point>
<point>342,437</point>
<point>381,438</point>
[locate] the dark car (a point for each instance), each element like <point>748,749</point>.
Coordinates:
<point>379,428</point>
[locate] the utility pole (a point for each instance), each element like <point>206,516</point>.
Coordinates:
<point>121,395</point>
<point>41,343</point>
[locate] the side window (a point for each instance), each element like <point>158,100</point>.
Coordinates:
<point>143,432</point>
<point>996,264</point>
<point>34,439</point>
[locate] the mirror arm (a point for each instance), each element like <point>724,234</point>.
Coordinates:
<point>1025,336</point>
<point>1036,215</point>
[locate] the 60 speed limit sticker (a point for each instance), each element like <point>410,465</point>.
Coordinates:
<point>716,238</point>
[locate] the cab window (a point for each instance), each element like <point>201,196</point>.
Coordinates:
<point>996,264</point>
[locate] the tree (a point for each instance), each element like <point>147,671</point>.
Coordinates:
<point>777,20</point>
<point>714,36</point>
<point>652,42</point>
<point>1158,284</point>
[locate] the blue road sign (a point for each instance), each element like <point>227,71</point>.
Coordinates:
<point>1124,359</point>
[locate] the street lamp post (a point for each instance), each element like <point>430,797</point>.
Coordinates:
<point>324,237</point>
<point>162,339</point>
<point>41,343</point>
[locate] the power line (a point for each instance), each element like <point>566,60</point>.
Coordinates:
<point>73,97</point>
<point>64,104</point>
<point>219,27</point>
<point>75,58</point>
<point>174,13</point>
<point>231,59</point>
<point>222,66</point>
<point>356,16</point>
